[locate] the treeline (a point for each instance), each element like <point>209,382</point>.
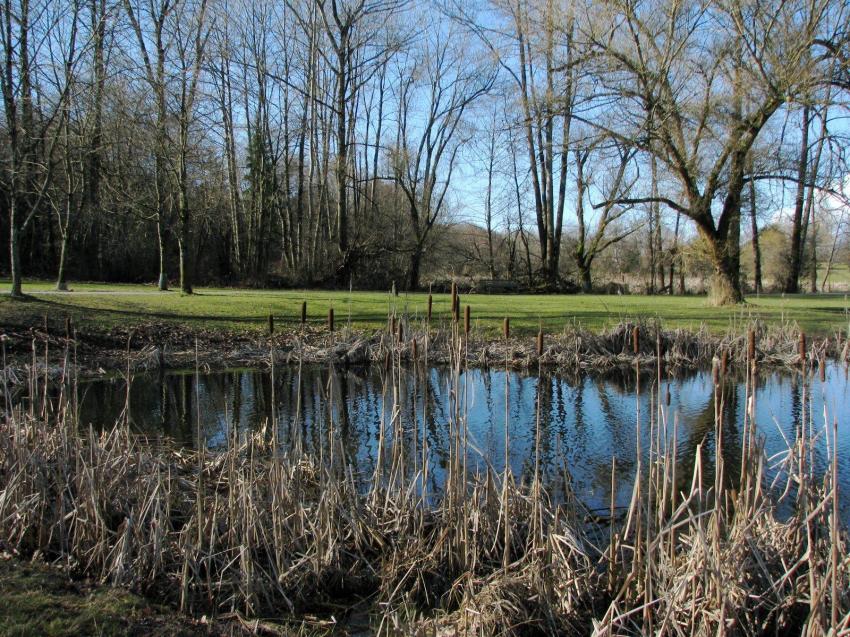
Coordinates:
<point>334,142</point>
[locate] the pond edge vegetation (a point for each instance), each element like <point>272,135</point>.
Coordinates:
<point>257,530</point>
<point>572,349</point>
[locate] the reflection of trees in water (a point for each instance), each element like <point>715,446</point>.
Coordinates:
<point>621,444</point>
<point>583,420</point>
<point>720,408</point>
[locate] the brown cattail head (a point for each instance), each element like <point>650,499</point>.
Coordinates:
<point>454,302</point>
<point>635,340</point>
<point>540,341</point>
<point>659,349</point>
<point>271,323</point>
<point>415,349</point>
<point>715,371</point>
<point>400,332</point>
<point>822,369</point>
<point>68,328</point>
<point>330,319</point>
<point>506,328</point>
<point>303,312</point>
<point>751,345</point>
<point>430,305</point>
<point>802,347</point>
<point>466,319</point>
<point>392,324</point>
<point>46,325</point>
<point>724,362</point>
<point>667,396</point>
<point>457,308</point>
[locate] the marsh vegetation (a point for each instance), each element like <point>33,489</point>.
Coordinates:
<point>286,520</point>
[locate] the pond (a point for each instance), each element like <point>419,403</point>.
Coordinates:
<point>584,421</point>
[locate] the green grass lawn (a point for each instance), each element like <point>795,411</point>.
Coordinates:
<point>104,306</point>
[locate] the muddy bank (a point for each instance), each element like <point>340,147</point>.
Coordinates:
<point>156,346</point>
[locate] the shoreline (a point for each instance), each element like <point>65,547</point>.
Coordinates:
<point>163,346</point>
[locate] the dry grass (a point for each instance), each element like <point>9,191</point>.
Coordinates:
<point>259,530</point>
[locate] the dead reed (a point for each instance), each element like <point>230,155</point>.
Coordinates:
<point>263,529</point>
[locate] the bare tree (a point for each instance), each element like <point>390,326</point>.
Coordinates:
<point>612,187</point>
<point>671,70</point>
<point>425,162</point>
<point>353,29</point>
<point>34,100</point>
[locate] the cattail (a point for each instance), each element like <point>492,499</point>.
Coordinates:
<point>68,327</point>
<point>751,347</point>
<point>271,323</point>
<point>667,396</point>
<point>392,324</point>
<point>724,363</point>
<point>330,319</point>
<point>415,349</point>
<point>430,305</point>
<point>400,332</point>
<point>46,325</point>
<point>822,369</point>
<point>802,347</point>
<point>659,348</point>
<point>715,371</point>
<point>540,341</point>
<point>635,339</point>
<point>303,312</point>
<point>466,319</point>
<point>454,302</point>
<point>506,328</point>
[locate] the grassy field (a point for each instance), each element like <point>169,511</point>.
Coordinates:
<point>839,276</point>
<point>104,306</point>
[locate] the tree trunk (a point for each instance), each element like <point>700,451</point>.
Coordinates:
<point>64,232</point>
<point>726,241</point>
<point>674,258</point>
<point>725,285</point>
<point>184,239</point>
<point>15,250</point>
<point>586,280</point>
<point>185,267</point>
<point>415,268</point>
<point>813,264</point>
<point>61,282</point>
<point>655,263</point>
<point>725,288</point>
<point>343,271</point>
<point>810,196</point>
<point>163,277</point>
<point>757,282</point>
<point>792,279</point>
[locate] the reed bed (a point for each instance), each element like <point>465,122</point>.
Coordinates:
<point>572,349</point>
<point>263,529</point>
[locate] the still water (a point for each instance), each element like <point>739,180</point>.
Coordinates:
<point>584,421</point>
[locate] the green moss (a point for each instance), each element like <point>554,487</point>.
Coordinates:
<point>38,600</point>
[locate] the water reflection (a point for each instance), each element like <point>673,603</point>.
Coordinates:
<point>584,422</point>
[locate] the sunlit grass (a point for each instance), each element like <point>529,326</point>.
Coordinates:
<point>104,306</point>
